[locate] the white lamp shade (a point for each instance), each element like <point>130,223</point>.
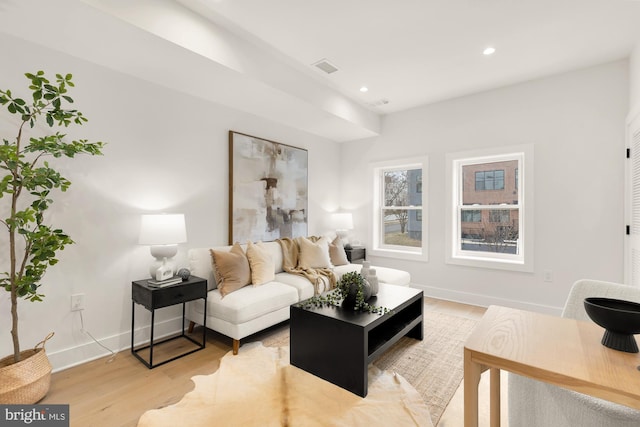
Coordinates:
<point>162,229</point>
<point>342,221</point>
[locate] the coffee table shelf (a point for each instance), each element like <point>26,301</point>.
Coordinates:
<point>338,344</point>
<point>380,342</point>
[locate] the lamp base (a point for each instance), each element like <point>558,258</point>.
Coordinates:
<point>163,255</point>
<point>343,235</point>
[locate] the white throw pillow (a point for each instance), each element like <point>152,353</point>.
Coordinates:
<point>314,255</point>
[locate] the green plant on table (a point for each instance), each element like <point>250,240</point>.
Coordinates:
<point>27,184</point>
<point>335,297</point>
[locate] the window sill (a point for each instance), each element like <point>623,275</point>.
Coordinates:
<point>497,264</point>
<point>400,254</point>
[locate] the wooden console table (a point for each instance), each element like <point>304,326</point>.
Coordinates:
<point>559,351</point>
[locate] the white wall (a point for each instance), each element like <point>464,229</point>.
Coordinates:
<point>576,123</point>
<point>167,152</point>
<point>634,78</point>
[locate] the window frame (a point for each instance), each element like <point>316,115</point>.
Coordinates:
<point>523,261</point>
<point>378,247</point>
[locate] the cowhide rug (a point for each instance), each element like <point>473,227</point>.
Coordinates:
<point>259,387</point>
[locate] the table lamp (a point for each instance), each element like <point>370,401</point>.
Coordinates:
<point>162,232</point>
<point>342,222</point>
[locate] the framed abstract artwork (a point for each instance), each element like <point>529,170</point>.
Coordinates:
<point>267,189</point>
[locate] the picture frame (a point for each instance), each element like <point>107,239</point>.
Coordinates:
<point>268,189</point>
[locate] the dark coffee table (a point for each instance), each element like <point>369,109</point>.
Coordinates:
<point>338,345</point>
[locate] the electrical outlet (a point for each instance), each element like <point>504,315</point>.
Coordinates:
<point>77,302</point>
<point>548,276</point>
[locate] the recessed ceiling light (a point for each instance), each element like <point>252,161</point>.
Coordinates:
<point>489,51</point>
<point>364,89</point>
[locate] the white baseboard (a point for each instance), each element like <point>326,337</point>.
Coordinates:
<point>90,350</point>
<point>484,300</point>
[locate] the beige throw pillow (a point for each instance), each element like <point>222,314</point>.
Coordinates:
<point>261,262</point>
<point>336,252</point>
<point>232,269</point>
<point>313,255</point>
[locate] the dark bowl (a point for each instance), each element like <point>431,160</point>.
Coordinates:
<point>620,319</point>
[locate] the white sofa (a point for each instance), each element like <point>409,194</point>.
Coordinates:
<point>254,308</point>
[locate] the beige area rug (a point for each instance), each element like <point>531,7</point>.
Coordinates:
<point>258,387</point>
<point>433,366</point>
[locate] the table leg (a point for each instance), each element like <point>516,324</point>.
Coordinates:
<point>153,314</point>
<point>472,371</point>
<point>494,396</point>
<point>133,321</point>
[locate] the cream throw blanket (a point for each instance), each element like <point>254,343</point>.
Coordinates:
<point>259,388</point>
<point>290,254</point>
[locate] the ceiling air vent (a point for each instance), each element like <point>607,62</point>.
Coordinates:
<point>325,66</point>
<point>379,102</point>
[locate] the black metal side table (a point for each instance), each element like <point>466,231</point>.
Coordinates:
<point>153,298</point>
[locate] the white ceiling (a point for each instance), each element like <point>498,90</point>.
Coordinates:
<point>255,55</point>
<point>413,52</point>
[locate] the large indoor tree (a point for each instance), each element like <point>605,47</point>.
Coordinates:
<point>28,182</point>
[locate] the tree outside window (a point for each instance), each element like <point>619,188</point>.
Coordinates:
<point>399,192</point>
<point>400,198</point>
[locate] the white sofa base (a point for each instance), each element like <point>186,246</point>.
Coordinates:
<point>241,330</point>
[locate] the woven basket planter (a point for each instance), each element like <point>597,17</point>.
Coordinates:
<point>27,381</point>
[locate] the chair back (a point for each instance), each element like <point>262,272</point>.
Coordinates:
<point>574,306</point>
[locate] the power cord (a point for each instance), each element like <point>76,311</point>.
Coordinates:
<point>82,329</point>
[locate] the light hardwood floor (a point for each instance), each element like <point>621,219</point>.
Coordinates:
<point>117,393</point>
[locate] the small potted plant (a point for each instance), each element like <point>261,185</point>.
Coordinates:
<point>355,290</point>
<point>352,293</point>
<point>27,183</point>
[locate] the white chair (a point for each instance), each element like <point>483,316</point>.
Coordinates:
<point>537,404</point>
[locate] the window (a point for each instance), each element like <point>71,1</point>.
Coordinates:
<point>471,216</point>
<point>489,203</point>
<point>399,219</point>
<point>490,180</point>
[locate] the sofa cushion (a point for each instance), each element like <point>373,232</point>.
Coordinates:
<point>302,285</point>
<point>250,302</point>
<point>393,276</point>
<point>232,269</point>
<point>313,254</point>
<point>275,250</point>
<point>385,275</point>
<point>201,265</point>
<point>336,252</point>
<point>261,263</point>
